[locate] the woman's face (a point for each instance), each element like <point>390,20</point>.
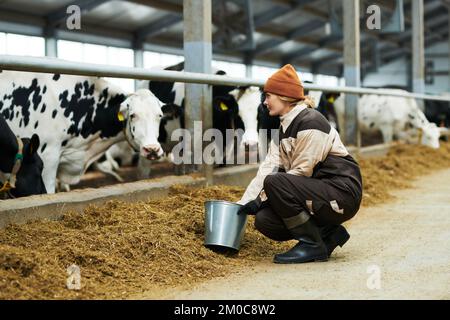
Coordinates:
<point>275,105</point>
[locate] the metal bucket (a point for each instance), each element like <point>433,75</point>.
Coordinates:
<point>224,228</point>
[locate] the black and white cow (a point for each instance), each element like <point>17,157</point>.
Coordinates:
<point>326,107</point>
<point>248,99</point>
<point>225,111</point>
<point>224,105</point>
<point>267,122</point>
<point>438,112</point>
<point>78,119</point>
<point>27,163</point>
<point>396,117</point>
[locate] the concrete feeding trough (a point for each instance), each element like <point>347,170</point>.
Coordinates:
<point>54,206</point>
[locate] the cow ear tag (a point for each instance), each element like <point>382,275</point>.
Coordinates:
<point>223,106</point>
<point>120,117</point>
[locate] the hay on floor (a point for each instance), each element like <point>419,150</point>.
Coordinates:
<point>126,248</point>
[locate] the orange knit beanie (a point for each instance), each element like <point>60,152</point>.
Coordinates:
<point>285,82</point>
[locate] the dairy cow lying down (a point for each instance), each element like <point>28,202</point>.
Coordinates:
<point>77,119</point>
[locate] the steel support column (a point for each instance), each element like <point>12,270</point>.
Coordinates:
<point>198,98</point>
<point>352,71</point>
<point>418,55</point>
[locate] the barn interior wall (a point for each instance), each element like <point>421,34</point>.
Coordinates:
<point>391,74</point>
<point>396,72</point>
<point>441,63</point>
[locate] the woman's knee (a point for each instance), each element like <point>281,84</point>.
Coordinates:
<point>271,226</point>
<point>269,181</point>
<point>274,181</point>
<point>336,212</point>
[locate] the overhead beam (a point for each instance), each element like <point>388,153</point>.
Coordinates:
<point>267,46</point>
<point>326,59</point>
<point>161,5</point>
<point>391,55</point>
<point>430,24</point>
<point>56,17</point>
<point>431,7</point>
<point>323,43</point>
<point>296,55</point>
<point>305,29</point>
<point>394,45</point>
<point>327,41</point>
<point>295,33</point>
<point>269,15</point>
<point>431,18</point>
<point>324,17</point>
<point>157,26</point>
<point>278,11</point>
<point>435,31</point>
<point>282,7</point>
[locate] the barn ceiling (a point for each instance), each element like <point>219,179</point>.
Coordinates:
<point>271,32</point>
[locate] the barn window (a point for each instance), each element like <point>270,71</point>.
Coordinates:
<point>20,45</point>
<point>92,53</point>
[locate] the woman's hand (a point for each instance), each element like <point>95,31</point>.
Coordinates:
<point>250,208</point>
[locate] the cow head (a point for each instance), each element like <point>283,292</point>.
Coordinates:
<point>248,100</point>
<point>142,114</point>
<point>173,116</point>
<point>28,177</point>
<point>225,112</point>
<point>430,135</point>
<point>326,101</point>
<point>27,165</point>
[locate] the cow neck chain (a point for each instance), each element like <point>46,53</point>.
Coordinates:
<point>11,182</point>
<point>240,94</point>
<point>126,127</point>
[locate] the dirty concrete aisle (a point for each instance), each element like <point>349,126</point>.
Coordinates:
<point>406,242</point>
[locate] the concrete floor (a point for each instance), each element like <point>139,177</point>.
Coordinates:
<point>398,250</point>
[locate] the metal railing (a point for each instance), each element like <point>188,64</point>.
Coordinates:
<point>53,65</point>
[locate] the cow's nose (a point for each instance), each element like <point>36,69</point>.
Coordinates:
<point>152,148</point>
<point>250,143</point>
<point>153,151</point>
